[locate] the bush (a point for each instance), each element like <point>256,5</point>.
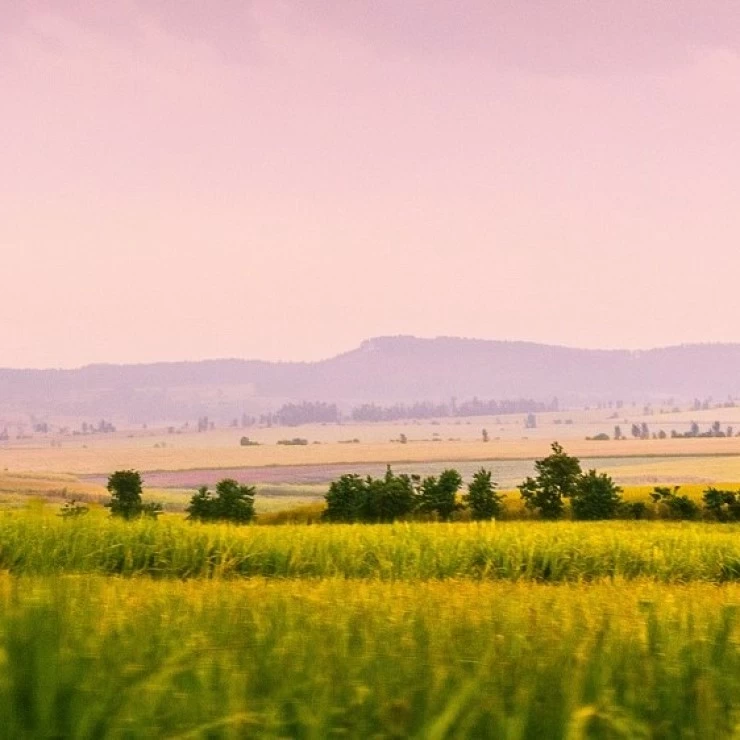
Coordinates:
<point>72,509</point>
<point>596,497</point>
<point>724,506</point>
<point>672,506</point>
<point>232,502</point>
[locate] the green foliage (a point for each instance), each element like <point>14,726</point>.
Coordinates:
<point>673,506</point>
<point>92,657</point>
<point>439,495</point>
<point>356,499</point>
<point>724,506</point>
<point>232,502</point>
<point>345,499</point>
<point>389,498</point>
<point>125,489</point>
<point>595,497</point>
<point>482,498</point>
<point>557,478</point>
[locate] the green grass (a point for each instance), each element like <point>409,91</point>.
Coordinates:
<point>40,543</point>
<point>112,629</point>
<point>109,657</point>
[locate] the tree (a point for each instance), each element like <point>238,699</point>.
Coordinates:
<point>125,489</point>
<point>388,498</point>
<point>482,498</point>
<point>556,479</point>
<point>595,497</point>
<point>232,503</point>
<point>345,499</point>
<point>440,495</point>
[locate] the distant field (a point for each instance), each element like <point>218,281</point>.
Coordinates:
<point>102,456</point>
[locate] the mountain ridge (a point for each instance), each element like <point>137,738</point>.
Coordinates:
<point>384,369</point>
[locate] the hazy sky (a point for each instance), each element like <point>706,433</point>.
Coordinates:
<point>182,179</point>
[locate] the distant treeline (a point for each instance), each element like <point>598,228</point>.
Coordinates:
<point>313,412</point>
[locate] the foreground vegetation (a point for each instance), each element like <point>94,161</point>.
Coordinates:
<point>89,656</point>
<point>540,551</point>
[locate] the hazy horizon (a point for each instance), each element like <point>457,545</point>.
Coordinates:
<point>282,180</point>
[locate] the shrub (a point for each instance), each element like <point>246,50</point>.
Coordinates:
<point>72,509</point>
<point>672,506</point>
<point>724,506</point>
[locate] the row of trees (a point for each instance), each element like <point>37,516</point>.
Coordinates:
<point>353,498</point>
<point>559,483</point>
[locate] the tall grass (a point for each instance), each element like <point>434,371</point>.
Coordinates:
<point>539,551</point>
<point>86,656</point>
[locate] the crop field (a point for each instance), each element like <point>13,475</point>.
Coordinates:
<point>158,451</point>
<point>501,630</point>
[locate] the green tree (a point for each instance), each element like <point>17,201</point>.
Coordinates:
<point>595,497</point>
<point>232,502</point>
<point>556,479</point>
<point>388,498</point>
<point>125,489</point>
<point>345,499</point>
<point>439,495</point>
<point>482,498</point>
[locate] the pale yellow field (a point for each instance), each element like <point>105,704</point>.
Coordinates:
<point>181,454</point>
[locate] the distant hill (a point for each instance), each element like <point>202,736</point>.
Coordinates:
<point>381,370</point>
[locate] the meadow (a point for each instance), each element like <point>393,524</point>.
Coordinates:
<point>502,630</point>
<point>88,656</point>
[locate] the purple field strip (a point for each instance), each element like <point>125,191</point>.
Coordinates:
<point>283,474</point>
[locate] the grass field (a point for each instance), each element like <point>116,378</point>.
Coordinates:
<point>38,543</point>
<point>105,657</point>
<point>508,630</point>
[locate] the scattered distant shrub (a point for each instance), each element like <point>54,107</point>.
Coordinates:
<point>246,442</point>
<point>294,441</point>
<point>601,437</point>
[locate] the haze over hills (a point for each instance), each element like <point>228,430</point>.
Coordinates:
<point>382,370</point>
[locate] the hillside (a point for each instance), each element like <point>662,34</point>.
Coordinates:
<point>381,370</point>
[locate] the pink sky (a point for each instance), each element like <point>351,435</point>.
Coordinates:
<point>282,179</point>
